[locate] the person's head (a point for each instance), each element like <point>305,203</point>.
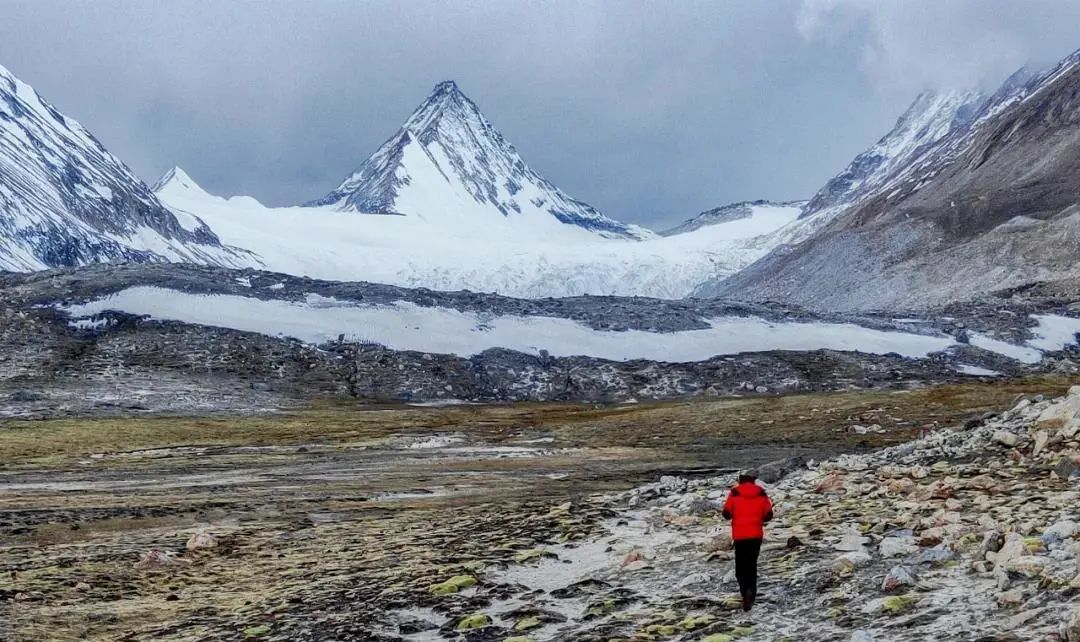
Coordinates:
<point>747,478</point>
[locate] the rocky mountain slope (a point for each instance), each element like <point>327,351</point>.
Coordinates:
<point>757,217</point>
<point>448,160</point>
<point>931,117</point>
<point>65,200</point>
<point>989,206</point>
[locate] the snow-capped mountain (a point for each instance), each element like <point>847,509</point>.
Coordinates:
<point>928,119</point>
<point>449,162</point>
<point>744,219</point>
<point>65,200</point>
<point>326,242</point>
<point>992,205</point>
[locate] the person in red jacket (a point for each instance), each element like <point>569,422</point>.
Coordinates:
<point>748,508</point>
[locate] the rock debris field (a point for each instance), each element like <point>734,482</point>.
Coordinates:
<point>970,532</point>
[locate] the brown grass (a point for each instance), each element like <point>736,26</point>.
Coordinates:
<point>785,419</point>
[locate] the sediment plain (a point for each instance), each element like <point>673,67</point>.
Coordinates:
<point>335,520</point>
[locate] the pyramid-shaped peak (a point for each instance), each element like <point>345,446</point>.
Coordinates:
<point>446,87</point>
<point>446,102</point>
<point>448,163</point>
<point>176,180</point>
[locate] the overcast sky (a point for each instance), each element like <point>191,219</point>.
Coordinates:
<point>649,111</point>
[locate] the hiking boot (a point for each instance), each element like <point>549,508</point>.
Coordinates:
<point>748,600</point>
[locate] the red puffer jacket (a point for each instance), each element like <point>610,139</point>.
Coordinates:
<point>748,508</point>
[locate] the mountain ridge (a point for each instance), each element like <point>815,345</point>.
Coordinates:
<point>65,200</point>
<point>996,205</point>
<point>447,151</point>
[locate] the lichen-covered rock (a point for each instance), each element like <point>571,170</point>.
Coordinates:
<point>452,585</point>
<point>474,621</point>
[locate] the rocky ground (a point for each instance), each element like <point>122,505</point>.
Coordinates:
<point>966,534</point>
<point>488,523</point>
<point>121,363</point>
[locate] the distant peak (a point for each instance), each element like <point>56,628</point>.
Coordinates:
<point>175,178</point>
<point>445,103</point>
<point>445,87</point>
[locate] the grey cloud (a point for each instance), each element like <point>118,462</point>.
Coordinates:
<point>652,111</point>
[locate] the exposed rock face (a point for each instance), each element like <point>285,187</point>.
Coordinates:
<point>727,214</point>
<point>931,117</point>
<point>448,153</point>
<point>65,200</point>
<point>988,206</point>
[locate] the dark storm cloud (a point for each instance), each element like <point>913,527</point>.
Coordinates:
<point>650,111</point>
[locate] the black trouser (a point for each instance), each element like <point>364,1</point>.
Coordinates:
<point>746,554</point>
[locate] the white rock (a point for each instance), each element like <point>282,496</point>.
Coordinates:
<point>1070,628</point>
<point>1041,438</point>
<point>1063,529</point>
<point>897,546</point>
<point>695,579</point>
<point>1027,565</point>
<point>1006,438</point>
<point>201,540</point>
<point>852,541</point>
<point>1012,597</point>
<point>1013,548</point>
<point>851,561</point>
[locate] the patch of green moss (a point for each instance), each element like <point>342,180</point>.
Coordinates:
<point>452,585</point>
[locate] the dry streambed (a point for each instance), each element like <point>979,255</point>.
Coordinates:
<point>335,522</point>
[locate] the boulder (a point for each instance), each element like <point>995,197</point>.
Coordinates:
<point>1012,597</point>
<point>897,546</point>
<point>452,585</point>
<point>935,556</point>
<point>847,563</point>
<point>695,579</point>
<point>156,558</point>
<point>1059,531</point>
<point>1041,437</point>
<point>1026,565</point>
<point>1070,628</point>
<point>832,483</point>
<point>1056,416</point>
<point>474,621</point>
<point>695,505</point>
<point>1068,466</point>
<point>201,540</point>
<point>852,541</point>
<point>1012,548</point>
<point>774,471</point>
<point>898,577</point>
<point>1006,438</point>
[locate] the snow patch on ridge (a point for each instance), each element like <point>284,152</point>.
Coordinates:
<point>406,326</point>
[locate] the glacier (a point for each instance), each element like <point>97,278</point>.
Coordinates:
<point>524,258</point>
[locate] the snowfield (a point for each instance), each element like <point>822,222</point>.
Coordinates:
<point>449,247</point>
<point>406,326</point>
